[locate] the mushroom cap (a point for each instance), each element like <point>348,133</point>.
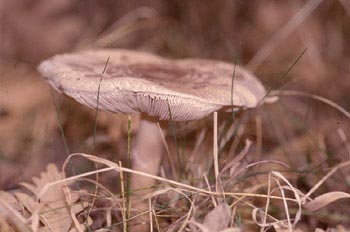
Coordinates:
<point>141,82</point>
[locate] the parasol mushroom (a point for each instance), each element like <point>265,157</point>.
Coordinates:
<point>138,82</point>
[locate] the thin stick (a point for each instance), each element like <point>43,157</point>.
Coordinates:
<point>215,147</point>
<point>208,185</point>
<point>124,211</point>
<point>150,214</point>
<point>128,174</point>
<point>267,201</point>
<point>258,124</point>
<point>155,219</point>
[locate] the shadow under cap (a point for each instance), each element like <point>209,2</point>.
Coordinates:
<point>141,82</point>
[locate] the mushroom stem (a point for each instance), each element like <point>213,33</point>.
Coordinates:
<point>146,154</point>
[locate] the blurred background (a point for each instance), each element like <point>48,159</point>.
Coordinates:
<point>300,45</point>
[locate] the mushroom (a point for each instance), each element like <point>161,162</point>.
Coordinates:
<point>158,88</point>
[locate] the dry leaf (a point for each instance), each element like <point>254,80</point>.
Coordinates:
<point>324,200</point>
<point>219,218</point>
<point>4,226</point>
<point>54,209</point>
<point>10,210</point>
<point>11,200</point>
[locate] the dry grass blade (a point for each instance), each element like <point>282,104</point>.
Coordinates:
<point>115,167</point>
<point>258,212</point>
<point>209,188</point>
<point>150,212</point>
<point>290,228</point>
<point>124,202</point>
<point>344,139</point>
<point>185,219</point>
<point>281,35</point>
<point>215,149</point>
<point>325,199</point>
<point>235,162</point>
<point>185,188</point>
<point>296,195</point>
<point>128,24</point>
<point>336,168</point>
<point>312,96</point>
<point>170,158</point>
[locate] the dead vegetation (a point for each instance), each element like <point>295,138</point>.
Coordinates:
<point>281,167</point>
